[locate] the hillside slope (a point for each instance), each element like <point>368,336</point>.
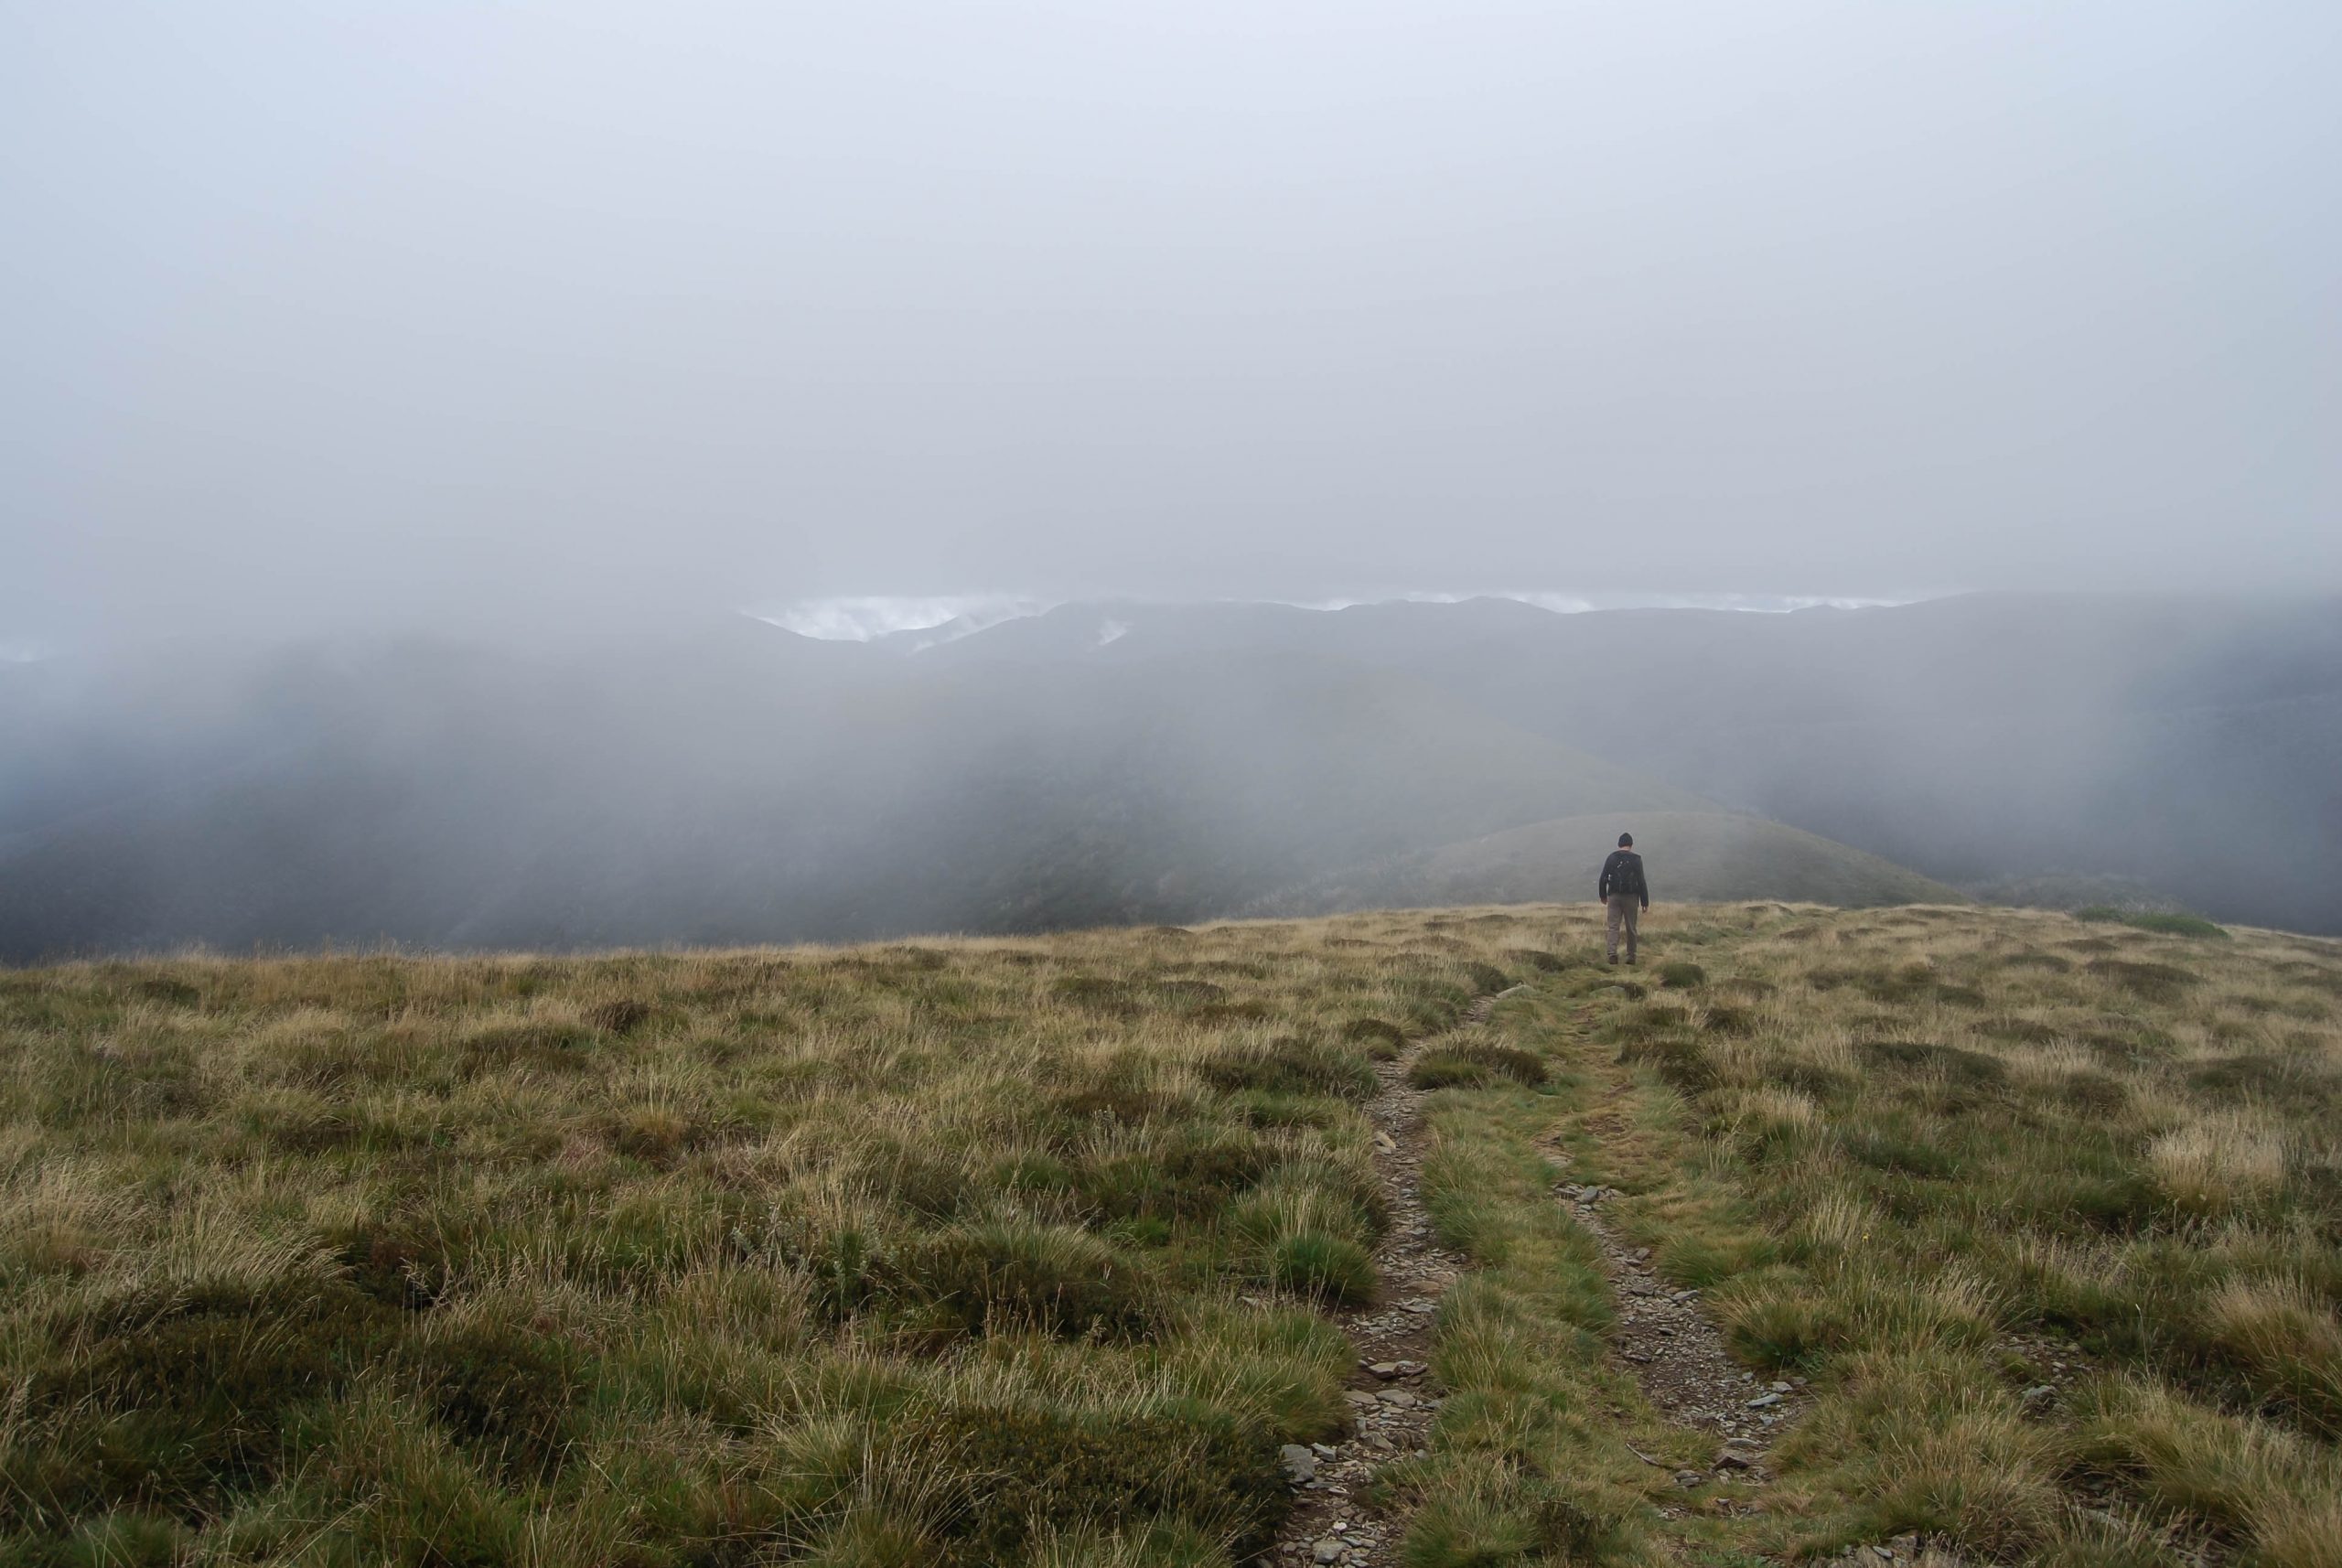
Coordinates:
<point>2190,742</point>
<point>730,782</point>
<point>1971,1235</point>
<point>1691,857</point>
<point>740,790</point>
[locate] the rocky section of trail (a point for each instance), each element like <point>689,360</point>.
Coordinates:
<point>1676,1353</point>
<point>1393,1394</point>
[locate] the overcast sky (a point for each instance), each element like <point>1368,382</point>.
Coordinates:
<point>401,310</point>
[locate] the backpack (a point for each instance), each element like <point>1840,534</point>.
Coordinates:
<point>1627,881</point>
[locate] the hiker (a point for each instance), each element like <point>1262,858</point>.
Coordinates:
<point>1623,889</point>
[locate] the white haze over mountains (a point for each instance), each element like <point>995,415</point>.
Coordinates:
<point>562,313</point>
<point>868,617</point>
<point>400,405</point>
<point>862,617</point>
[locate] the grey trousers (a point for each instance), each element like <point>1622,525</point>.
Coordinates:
<point>1625,910</point>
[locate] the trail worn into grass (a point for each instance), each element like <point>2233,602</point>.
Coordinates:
<point>1674,1350</point>
<point>1392,1393</point>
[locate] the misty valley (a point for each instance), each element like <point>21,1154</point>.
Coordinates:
<point>727,781</point>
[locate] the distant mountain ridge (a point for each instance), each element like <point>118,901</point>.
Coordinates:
<point>730,782</point>
<point>2192,743</point>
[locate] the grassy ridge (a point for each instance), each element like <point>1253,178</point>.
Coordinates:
<point>1693,857</point>
<point>958,1253</point>
<point>2049,1214</point>
<point>990,1252</point>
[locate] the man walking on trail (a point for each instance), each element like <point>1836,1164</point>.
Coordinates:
<point>1623,889</point>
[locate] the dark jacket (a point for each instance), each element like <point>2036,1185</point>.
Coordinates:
<point>1622,876</point>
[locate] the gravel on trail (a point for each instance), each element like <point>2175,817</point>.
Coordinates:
<point>1393,1394</point>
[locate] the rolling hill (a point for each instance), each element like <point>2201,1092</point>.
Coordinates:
<point>727,781</point>
<point>731,792</point>
<point>1691,857</point>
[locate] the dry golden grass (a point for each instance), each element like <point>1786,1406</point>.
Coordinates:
<point>2215,1163</point>
<point>2049,1214</point>
<point>1015,1252</point>
<point>978,1252</point>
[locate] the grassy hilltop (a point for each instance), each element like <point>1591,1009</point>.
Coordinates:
<point>1706,857</point>
<point>1039,1253</point>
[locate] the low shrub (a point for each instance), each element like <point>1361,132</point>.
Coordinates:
<point>1682,975</point>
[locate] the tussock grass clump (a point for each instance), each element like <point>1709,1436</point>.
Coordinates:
<point>2222,1161</point>
<point>1499,1517</point>
<point>503,1393</point>
<point>1023,1467</point>
<point>2189,1461</point>
<point>1686,1064</point>
<point>1947,1449</point>
<point>1291,1064</point>
<point>1328,1269</point>
<point>2151,981</point>
<point>2286,1339</point>
<point>1008,1277</point>
<point>1540,960</point>
<point>1474,1062</point>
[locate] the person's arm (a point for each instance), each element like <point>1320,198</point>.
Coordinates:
<point>1643,877</point>
<point>1602,885</point>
